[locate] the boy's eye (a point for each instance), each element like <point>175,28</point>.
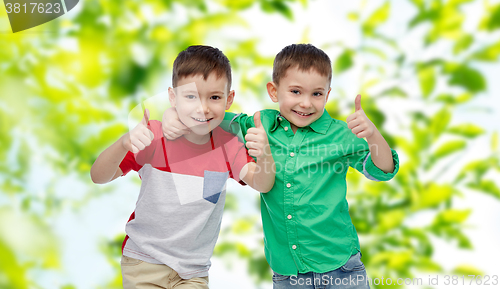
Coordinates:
<point>317,94</point>
<point>215,97</point>
<point>294,91</point>
<point>190,96</point>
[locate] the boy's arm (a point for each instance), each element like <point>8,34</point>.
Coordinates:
<point>237,123</point>
<point>171,125</point>
<point>380,152</point>
<point>361,126</point>
<point>261,174</point>
<point>173,128</point>
<point>106,167</point>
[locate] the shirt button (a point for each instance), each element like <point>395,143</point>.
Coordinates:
<point>288,185</point>
<point>289,217</point>
<point>280,119</point>
<point>292,154</point>
<point>286,128</point>
<point>294,247</point>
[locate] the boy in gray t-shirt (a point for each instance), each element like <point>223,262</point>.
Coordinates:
<point>173,230</point>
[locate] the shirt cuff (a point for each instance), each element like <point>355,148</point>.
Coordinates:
<point>372,172</point>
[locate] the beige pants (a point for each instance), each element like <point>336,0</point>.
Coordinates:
<point>142,275</point>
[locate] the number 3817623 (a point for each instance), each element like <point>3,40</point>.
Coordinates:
<point>33,8</point>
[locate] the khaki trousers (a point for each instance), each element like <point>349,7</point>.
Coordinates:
<point>138,274</point>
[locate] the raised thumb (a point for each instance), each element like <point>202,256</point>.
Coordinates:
<point>357,102</point>
<point>256,120</point>
<point>145,119</point>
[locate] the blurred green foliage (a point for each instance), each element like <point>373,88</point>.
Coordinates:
<point>382,212</point>
<point>65,95</point>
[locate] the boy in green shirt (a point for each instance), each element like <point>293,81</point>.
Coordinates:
<point>309,237</point>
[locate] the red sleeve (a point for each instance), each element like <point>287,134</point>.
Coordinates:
<point>128,163</point>
<point>136,161</point>
<point>238,157</point>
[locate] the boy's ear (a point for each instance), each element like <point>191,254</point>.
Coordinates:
<point>328,94</point>
<point>230,99</point>
<point>272,90</point>
<point>171,96</point>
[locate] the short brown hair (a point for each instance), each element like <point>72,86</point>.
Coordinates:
<point>200,59</point>
<point>306,56</point>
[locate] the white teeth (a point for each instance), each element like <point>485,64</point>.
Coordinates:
<point>303,113</point>
<point>201,119</point>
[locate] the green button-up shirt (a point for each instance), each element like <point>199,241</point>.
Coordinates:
<point>305,216</point>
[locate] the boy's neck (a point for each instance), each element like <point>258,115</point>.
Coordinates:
<point>198,139</point>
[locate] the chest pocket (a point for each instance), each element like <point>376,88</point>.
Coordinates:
<point>214,183</point>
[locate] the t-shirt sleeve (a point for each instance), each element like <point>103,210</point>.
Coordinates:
<point>136,161</point>
<point>128,163</point>
<point>238,158</point>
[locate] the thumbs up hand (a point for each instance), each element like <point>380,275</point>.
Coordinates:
<point>358,122</point>
<point>256,138</point>
<point>139,137</point>
<point>171,125</point>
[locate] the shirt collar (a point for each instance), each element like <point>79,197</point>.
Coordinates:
<point>276,122</point>
<point>320,125</point>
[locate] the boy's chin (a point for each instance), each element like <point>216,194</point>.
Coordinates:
<point>201,131</point>
<point>204,129</point>
<point>300,122</point>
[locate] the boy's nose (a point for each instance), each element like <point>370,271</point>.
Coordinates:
<point>305,103</point>
<point>203,108</point>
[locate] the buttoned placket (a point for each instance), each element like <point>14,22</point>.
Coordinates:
<point>289,189</point>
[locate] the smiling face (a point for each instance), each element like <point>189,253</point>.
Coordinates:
<point>301,95</point>
<point>201,103</point>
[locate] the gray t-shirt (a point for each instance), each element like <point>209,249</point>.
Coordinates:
<point>178,213</point>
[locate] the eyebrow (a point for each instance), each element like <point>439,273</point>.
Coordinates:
<point>189,91</point>
<point>216,92</point>
<point>298,86</point>
<point>196,92</point>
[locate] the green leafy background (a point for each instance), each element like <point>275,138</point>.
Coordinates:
<point>427,70</point>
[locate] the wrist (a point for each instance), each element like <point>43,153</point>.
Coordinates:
<point>374,137</point>
<point>123,141</point>
<point>265,159</point>
<point>266,166</point>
